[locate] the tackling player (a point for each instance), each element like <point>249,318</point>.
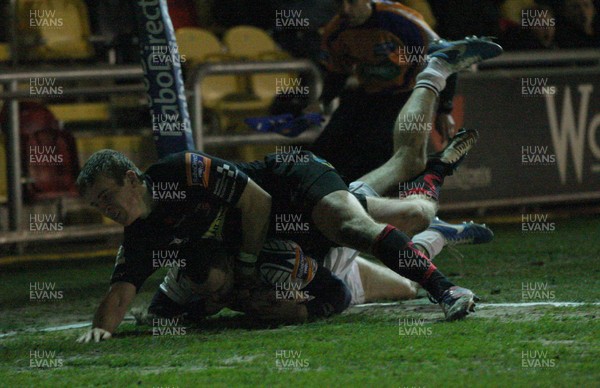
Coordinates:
<point>280,261</point>
<point>235,204</point>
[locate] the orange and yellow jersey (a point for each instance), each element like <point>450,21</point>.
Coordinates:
<point>385,53</point>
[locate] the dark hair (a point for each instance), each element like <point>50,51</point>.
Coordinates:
<point>110,163</point>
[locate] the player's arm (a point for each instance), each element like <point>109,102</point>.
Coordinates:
<point>111,312</point>
<point>225,182</point>
<point>255,206</point>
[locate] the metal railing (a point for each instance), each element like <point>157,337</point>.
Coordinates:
<point>542,58</point>
<point>11,78</point>
<point>13,151</point>
<point>314,84</point>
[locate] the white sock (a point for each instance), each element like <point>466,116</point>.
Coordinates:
<point>432,241</point>
<point>434,75</point>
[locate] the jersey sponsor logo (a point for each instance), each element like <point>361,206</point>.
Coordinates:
<point>226,182</point>
<point>197,169</point>
<point>304,268</point>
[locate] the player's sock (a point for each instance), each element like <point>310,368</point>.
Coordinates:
<point>432,242</point>
<point>425,185</point>
<point>434,76</point>
<point>396,251</point>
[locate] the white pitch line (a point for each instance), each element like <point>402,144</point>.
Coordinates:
<point>533,304</point>
<point>482,305</point>
<point>57,328</point>
<point>524,304</point>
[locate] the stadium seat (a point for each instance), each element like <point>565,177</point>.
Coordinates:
<point>48,154</point>
<point>198,46</point>
<point>252,43</point>
<point>224,94</point>
<point>54,30</point>
<point>4,52</point>
<point>81,112</point>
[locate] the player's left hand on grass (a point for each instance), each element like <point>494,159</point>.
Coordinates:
<point>445,126</point>
<point>97,334</point>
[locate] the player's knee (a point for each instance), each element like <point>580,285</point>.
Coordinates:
<point>410,292</point>
<point>421,214</point>
<point>341,218</point>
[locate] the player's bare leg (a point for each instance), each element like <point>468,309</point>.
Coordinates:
<point>410,143</point>
<point>381,283</point>
<point>411,215</point>
<point>341,218</point>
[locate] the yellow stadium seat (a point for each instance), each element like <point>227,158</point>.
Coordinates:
<point>4,52</point>
<point>252,43</point>
<point>198,46</point>
<point>81,112</point>
<point>224,94</point>
<point>54,29</point>
<point>138,148</point>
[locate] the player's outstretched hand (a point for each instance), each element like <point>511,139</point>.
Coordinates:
<point>97,334</point>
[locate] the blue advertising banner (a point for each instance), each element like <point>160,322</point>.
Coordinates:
<point>161,62</point>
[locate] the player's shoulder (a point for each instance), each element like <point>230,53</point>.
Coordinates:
<point>178,159</point>
<point>168,162</point>
<point>184,166</point>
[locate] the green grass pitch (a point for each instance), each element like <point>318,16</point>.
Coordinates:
<point>402,345</point>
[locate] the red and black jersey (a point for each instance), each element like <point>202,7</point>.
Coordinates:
<point>194,198</point>
<point>194,195</point>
